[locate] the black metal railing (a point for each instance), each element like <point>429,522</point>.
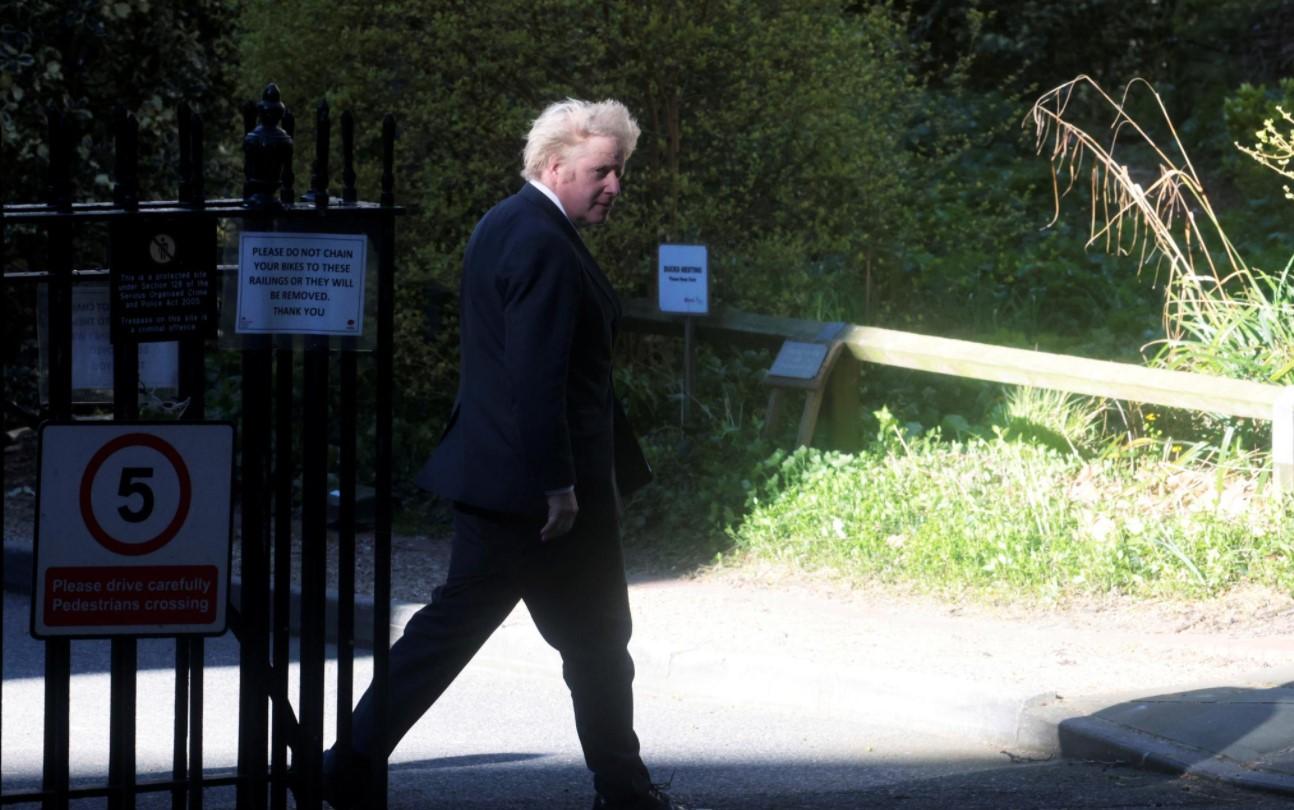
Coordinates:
<point>280,421</point>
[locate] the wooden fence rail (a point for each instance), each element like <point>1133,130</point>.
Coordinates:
<point>981,361</point>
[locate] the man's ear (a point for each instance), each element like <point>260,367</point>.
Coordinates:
<point>554,169</point>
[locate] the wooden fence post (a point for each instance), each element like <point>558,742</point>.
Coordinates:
<point>840,405</point>
<point>1283,440</point>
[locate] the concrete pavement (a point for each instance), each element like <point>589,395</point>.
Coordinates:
<point>1207,704</point>
<point>1235,734</point>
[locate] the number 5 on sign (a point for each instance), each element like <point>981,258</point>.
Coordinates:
<point>130,486</point>
<point>133,529</point>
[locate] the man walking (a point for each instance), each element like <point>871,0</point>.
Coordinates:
<point>535,460</point>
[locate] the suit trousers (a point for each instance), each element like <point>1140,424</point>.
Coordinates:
<point>574,587</point>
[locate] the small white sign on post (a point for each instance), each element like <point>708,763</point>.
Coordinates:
<point>683,279</point>
<point>133,529</point>
<point>301,283</point>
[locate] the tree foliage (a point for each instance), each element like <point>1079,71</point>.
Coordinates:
<point>769,129</point>
<point>89,56</point>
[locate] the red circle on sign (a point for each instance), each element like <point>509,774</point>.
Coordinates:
<point>181,510</point>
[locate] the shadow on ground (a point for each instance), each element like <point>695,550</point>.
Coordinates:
<point>1243,735</point>
<point>506,784</point>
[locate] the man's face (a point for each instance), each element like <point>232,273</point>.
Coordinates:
<point>587,179</point>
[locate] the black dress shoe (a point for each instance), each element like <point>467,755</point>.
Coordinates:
<point>345,783</point>
<point>653,799</point>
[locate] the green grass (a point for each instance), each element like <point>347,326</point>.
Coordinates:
<point>1015,518</point>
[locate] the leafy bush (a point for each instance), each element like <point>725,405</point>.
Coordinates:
<point>702,471</point>
<point>1251,113</point>
<point>1055,419</point>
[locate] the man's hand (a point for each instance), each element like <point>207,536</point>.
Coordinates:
<point>562,510</point>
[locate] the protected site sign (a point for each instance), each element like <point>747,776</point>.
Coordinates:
<point>301,283</point>
<point>133,529</point>
<point>164,288</point>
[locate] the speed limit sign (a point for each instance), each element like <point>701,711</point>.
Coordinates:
<point>132,529</point>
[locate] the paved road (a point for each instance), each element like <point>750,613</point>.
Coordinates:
<point>503,739</point>
<point>500,738</point>
<point>23,704</point>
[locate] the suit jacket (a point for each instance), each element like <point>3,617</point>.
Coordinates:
<point>535,410</point>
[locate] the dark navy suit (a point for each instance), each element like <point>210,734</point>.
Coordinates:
<point>535,413</point>
<point>535,406</point>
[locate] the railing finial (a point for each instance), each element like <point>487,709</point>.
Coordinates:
<point>266,149</point>
<point>318,193</point>
<point>125,192</point>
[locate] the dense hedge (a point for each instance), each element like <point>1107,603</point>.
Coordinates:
<point>777,134</point>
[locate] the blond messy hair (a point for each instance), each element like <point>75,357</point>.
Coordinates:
<point>568,123</point>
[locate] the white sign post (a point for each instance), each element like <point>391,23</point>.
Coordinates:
<point>301,283</point>
<point>683,287</point>
<point>133,529</point>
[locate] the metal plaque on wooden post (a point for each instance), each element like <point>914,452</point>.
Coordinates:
<point>828,374</point>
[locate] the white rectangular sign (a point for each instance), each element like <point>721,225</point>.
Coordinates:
<point>301,283</point>
<point>132,529</point>
<point>92,345</point>
<point>683,279</point>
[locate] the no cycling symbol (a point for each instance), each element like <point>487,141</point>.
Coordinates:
<point>130,488</point>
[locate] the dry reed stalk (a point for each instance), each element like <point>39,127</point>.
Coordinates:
<point>1165,215</point>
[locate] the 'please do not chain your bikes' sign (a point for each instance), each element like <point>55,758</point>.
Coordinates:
<point>301,283</point>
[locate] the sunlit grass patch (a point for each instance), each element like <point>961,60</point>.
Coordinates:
<point>1017,518</point>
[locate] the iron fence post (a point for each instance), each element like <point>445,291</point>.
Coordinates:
<point>382,496</point>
